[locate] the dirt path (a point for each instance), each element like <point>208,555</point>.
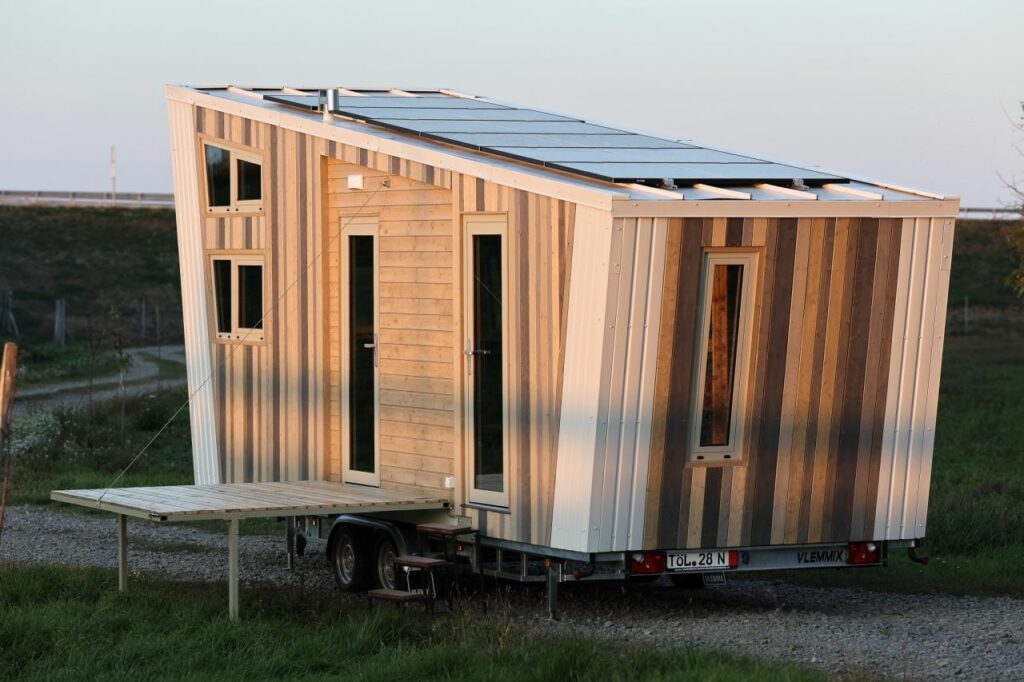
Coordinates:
<point>143,375</point>
<point>842,631</point>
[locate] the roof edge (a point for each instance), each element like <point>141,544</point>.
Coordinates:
<point>506,172</point>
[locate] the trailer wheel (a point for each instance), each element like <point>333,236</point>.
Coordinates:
<point>350,559</point>
<point>385,561</point>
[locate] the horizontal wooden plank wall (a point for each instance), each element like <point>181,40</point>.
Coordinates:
<point>271,398</point>
<point>540,236</point>
<point>822,333</point>
<point>416,342</point>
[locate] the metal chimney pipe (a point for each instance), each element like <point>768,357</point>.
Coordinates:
<point>330,104</point>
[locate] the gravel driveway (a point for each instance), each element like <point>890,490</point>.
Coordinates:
<point>843,631</point>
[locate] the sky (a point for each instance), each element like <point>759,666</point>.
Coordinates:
<point>919,94</point>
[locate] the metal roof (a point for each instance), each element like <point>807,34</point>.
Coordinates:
<point>648,166</point>
<point>554,141</point>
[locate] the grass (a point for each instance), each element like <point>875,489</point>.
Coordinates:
<point>102,261</point>
<point>45,363</point>
<point>88,447</point>
<point>61,623</point>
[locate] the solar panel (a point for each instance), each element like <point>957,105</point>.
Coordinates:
<point>311,102</point>
<point>560,142</point>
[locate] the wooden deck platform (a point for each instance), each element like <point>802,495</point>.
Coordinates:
<point>235,501</point>
<point>246,500</point>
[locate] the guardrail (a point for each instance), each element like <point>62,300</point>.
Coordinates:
<point>990,213</point>
<point>120,200</point>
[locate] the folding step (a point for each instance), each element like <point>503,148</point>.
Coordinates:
<point>399,597</point>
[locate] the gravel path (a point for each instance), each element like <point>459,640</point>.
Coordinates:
<point>843,631</point>
<point>140,377</point>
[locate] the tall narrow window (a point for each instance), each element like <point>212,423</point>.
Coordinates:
<point>234,180</point>
<point>238,297</point>
<point>222,293</point>
<point>723,358</point>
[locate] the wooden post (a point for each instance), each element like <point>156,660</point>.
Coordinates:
<point>8,374</point>
<point>233,569</point>
<point>142,320</point>
<point>122,552</point>
<point>58,322</point>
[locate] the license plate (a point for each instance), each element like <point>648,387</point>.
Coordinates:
<point>698,561</point>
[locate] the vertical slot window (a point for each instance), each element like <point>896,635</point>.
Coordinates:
<point>250,296</point>
<point>250,181</point>
<point>218,177</point>
<point>222,294</point>
<point>723,360</point>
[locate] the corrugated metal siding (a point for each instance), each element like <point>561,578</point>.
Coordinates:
<point>913,387</point>
<point>584,376</point>
<point>193,292</point>
<point>822,333</point>
<point>625,414</point>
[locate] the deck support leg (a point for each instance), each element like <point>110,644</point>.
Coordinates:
<point>289,541</point>
<point>233,569</point>
<point>122,552</point>
<point>554,573</point>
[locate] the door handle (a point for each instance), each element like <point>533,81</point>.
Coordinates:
<point>369,345</point>
<point>476,351</point>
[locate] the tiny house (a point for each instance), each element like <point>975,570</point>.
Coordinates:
<point>625,354</point>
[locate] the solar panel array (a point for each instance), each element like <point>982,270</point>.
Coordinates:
<point>560,142</point>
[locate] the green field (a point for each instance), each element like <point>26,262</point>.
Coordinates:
<point>102,261</point>
<point>59,623</point>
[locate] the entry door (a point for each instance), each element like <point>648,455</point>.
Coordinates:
<point>485,292</point>
<point>361,381</point>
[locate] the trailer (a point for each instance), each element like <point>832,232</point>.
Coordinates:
<point>593,353</point>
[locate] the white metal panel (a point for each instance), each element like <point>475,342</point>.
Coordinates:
<point>921,374</point>
<point>626,408</point>
<point>892,396</point>
<point>609,431</point>
<point>915,362</point>
<point>193,292</point>
<point>584,353</point>
<point>942,229</point>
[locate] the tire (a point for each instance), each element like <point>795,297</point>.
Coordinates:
<point>384,562</point>
<point>687,581</point>
<point>350,559</point>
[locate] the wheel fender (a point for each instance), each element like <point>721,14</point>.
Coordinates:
<point>379,525</point>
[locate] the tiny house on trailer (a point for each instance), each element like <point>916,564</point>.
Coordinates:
<point>614,352</point>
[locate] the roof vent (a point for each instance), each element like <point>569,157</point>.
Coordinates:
<point>329,103</point>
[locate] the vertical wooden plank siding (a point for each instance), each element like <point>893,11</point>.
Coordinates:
<point>277,409</point>
<point>821,344</point>
<point>539,240</point>
<point>272,403</point>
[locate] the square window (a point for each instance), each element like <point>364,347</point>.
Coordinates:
<point>238,297</point>
<point>234,180</point>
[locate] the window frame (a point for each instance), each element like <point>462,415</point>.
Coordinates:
<point>235,153</point>
<point>733,451</point>
<point>237,333</point>
<point>494,224</point>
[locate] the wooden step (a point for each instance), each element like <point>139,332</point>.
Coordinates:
<point>420,562</point>
<point>397,596</point>
<point>443,529</point>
